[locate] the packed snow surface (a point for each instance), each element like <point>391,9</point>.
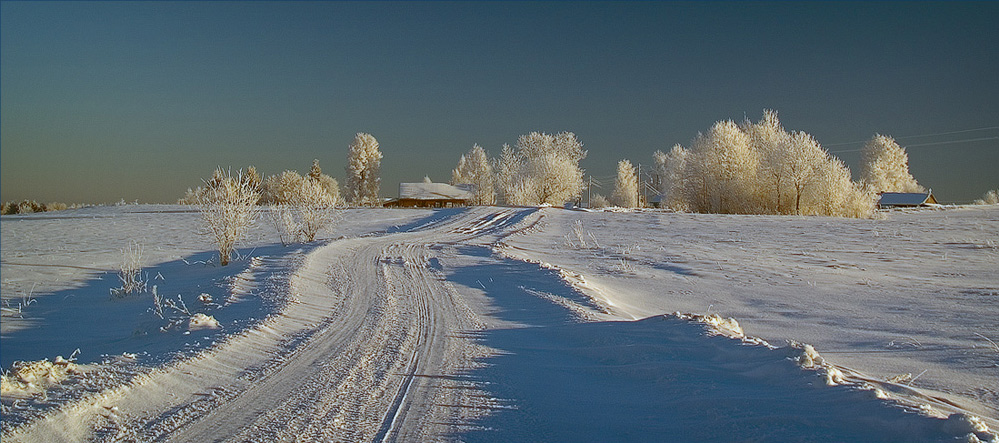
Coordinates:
<point>505,324</point>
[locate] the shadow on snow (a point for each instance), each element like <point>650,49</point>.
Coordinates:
<point>99,324</point>
<point>436,217</point>
<point>90,319</point>
<point>659,379</point>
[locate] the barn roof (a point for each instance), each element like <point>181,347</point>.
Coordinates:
<point>906,199</point>
<point>435,191</point>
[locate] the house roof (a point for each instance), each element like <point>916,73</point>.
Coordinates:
<point>435,191</point>
<point>906,199</point>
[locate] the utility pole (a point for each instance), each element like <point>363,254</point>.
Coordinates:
<point>589,185</point>
<point>640,189</point>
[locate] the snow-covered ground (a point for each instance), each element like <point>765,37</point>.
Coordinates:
<point>912,293</point>
<point>500,324</point>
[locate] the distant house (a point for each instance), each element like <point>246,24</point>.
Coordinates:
<point>432,195</point>
<point>906,199</point>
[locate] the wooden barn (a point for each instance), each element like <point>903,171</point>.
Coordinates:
<point>432,195</point>
<point>906,199</point>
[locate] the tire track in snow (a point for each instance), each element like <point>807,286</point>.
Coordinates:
<point>379,370</point>
<point>370,346</point>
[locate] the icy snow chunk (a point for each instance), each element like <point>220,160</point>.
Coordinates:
<point>875,391</point>
<point>723,326</point>
<point>809,357</point>
<point>26,378</point>
<point>969,425</point>
<point>833,376</point>
<point>201,321</point>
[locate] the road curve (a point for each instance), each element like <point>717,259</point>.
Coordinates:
<point>367,348</point>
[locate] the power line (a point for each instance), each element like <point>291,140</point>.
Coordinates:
<point>922,135</point>
<point>927,144</point>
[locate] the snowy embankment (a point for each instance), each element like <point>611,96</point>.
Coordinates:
<point>906,304</point>
<point>499,324</point>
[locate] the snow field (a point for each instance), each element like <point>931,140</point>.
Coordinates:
<point>487,324</point>
<point>905,298</point>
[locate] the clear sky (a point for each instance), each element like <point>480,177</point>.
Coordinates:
<point>102,101</point>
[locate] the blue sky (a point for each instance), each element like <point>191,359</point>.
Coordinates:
<point>140,100</point>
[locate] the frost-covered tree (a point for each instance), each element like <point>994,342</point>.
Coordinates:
<point>885,167</point>
<point>193,196</point>
<point>625,192</point>
<point>507,168</point>
<point>768,138</point>
<point>315,171</point>
<point>724,174</point>
<point>990,198</point>
<point>475,169</point>
<point>835,194</point>
<point>543,170</point>
<point>363,169</point>
<point>670,171</point>
<point>329,184</point>
<point>227,208</point>
<point>660,167</point>
<point>281,188</point>
<point>802,164</point>
<point>759,168</point>
<point>551,179</point>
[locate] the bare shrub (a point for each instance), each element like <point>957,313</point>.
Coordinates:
<point>315,208</point>
<point>23,207</point>
<point>578,238</point>
<point>599,201</point>
<point>30,206</point>
<point>282,217</point>
<point>27,298</point>
<point>310,209</point>
<point>191,196</point>
<point>227,208</point>
<point>194,196</point>
<point>177,314</point>
<point>130,271</point>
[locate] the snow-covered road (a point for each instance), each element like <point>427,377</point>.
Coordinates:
<point>363,351</point>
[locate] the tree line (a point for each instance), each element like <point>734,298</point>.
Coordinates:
<point>734,168</point>
<point>744,168</point>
